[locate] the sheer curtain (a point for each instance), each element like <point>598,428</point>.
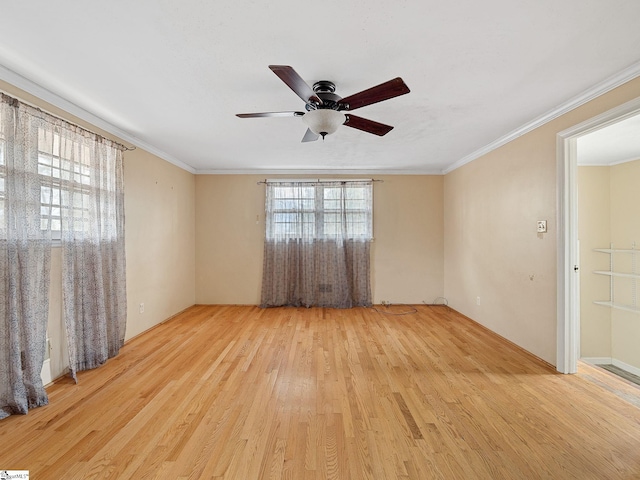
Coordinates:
<point>25,259</point>
<point>317,244</point>
<point>93,255</point>
<point>57,180</point>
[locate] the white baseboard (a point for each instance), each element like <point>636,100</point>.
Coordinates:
<point>598,360</point>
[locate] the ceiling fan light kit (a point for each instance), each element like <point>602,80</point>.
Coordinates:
<point>324,122</point>
<point>324,109</point>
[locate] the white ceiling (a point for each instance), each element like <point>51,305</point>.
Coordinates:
<point>611,145</point>
<point>169,75</point>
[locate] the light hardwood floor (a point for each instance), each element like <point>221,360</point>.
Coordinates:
<point>243,393</point>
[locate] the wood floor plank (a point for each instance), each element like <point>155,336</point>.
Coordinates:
<point>229,392</point>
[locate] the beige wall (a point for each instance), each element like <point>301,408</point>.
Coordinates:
<point>160,241</point>
<point>55,329</point>
<point>407,260</point>
<point>491,247</point>
<point>625,233</point>
<point>594,220</point>
<point>229,233</point>
<point>492,250</point>
<point>408,250</point>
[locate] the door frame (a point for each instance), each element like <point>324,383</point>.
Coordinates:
<point>568,295</point>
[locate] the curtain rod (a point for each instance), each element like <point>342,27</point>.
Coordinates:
<point>13,101</point>
<point>317,180</point>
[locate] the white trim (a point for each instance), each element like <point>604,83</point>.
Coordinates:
<point>567,347</point>
<point>601,88</point>
<point>568,301</point>
<point>598,360</point>
<point>48,96</point>
<point>317,172</point>
<point>609,164</point>
<point>317,180</point>
<point>626,367</point>
<point>620,162</point>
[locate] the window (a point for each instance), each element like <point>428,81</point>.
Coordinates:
<point>317,245</point>
<point>62,169</point>
<point>319,210</point>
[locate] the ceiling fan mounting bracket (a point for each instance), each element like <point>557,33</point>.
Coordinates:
<point>324,86</point>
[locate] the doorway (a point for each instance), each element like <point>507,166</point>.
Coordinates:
<point>568,300</point>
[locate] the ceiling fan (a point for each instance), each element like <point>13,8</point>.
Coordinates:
<point>324,109</point>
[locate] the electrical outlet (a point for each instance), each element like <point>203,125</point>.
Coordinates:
<point>542,226</point>
<point>477,300</point>
<point>141,308</point>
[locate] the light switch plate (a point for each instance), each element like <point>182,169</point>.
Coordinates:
<point>542,226</point>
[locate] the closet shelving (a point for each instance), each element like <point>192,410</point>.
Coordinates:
<point>613,274</point>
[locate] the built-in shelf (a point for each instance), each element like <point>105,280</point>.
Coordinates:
<point>634,275</point>
<point>616,250</point>
<point>616,274</point>
<point>619,306</point>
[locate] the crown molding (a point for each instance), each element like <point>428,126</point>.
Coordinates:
<point>48,96</point>
<point>317,172</point>
<point>609,164</point>
<point>599,89</point>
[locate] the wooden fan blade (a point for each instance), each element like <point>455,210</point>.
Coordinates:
<point>368,126</point>
<point>270,114</point>
<point>295,82</point>
<point>384,91</point>
<point>310,136</point>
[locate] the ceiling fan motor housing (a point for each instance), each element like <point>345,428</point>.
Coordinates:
<point>330,101</point>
